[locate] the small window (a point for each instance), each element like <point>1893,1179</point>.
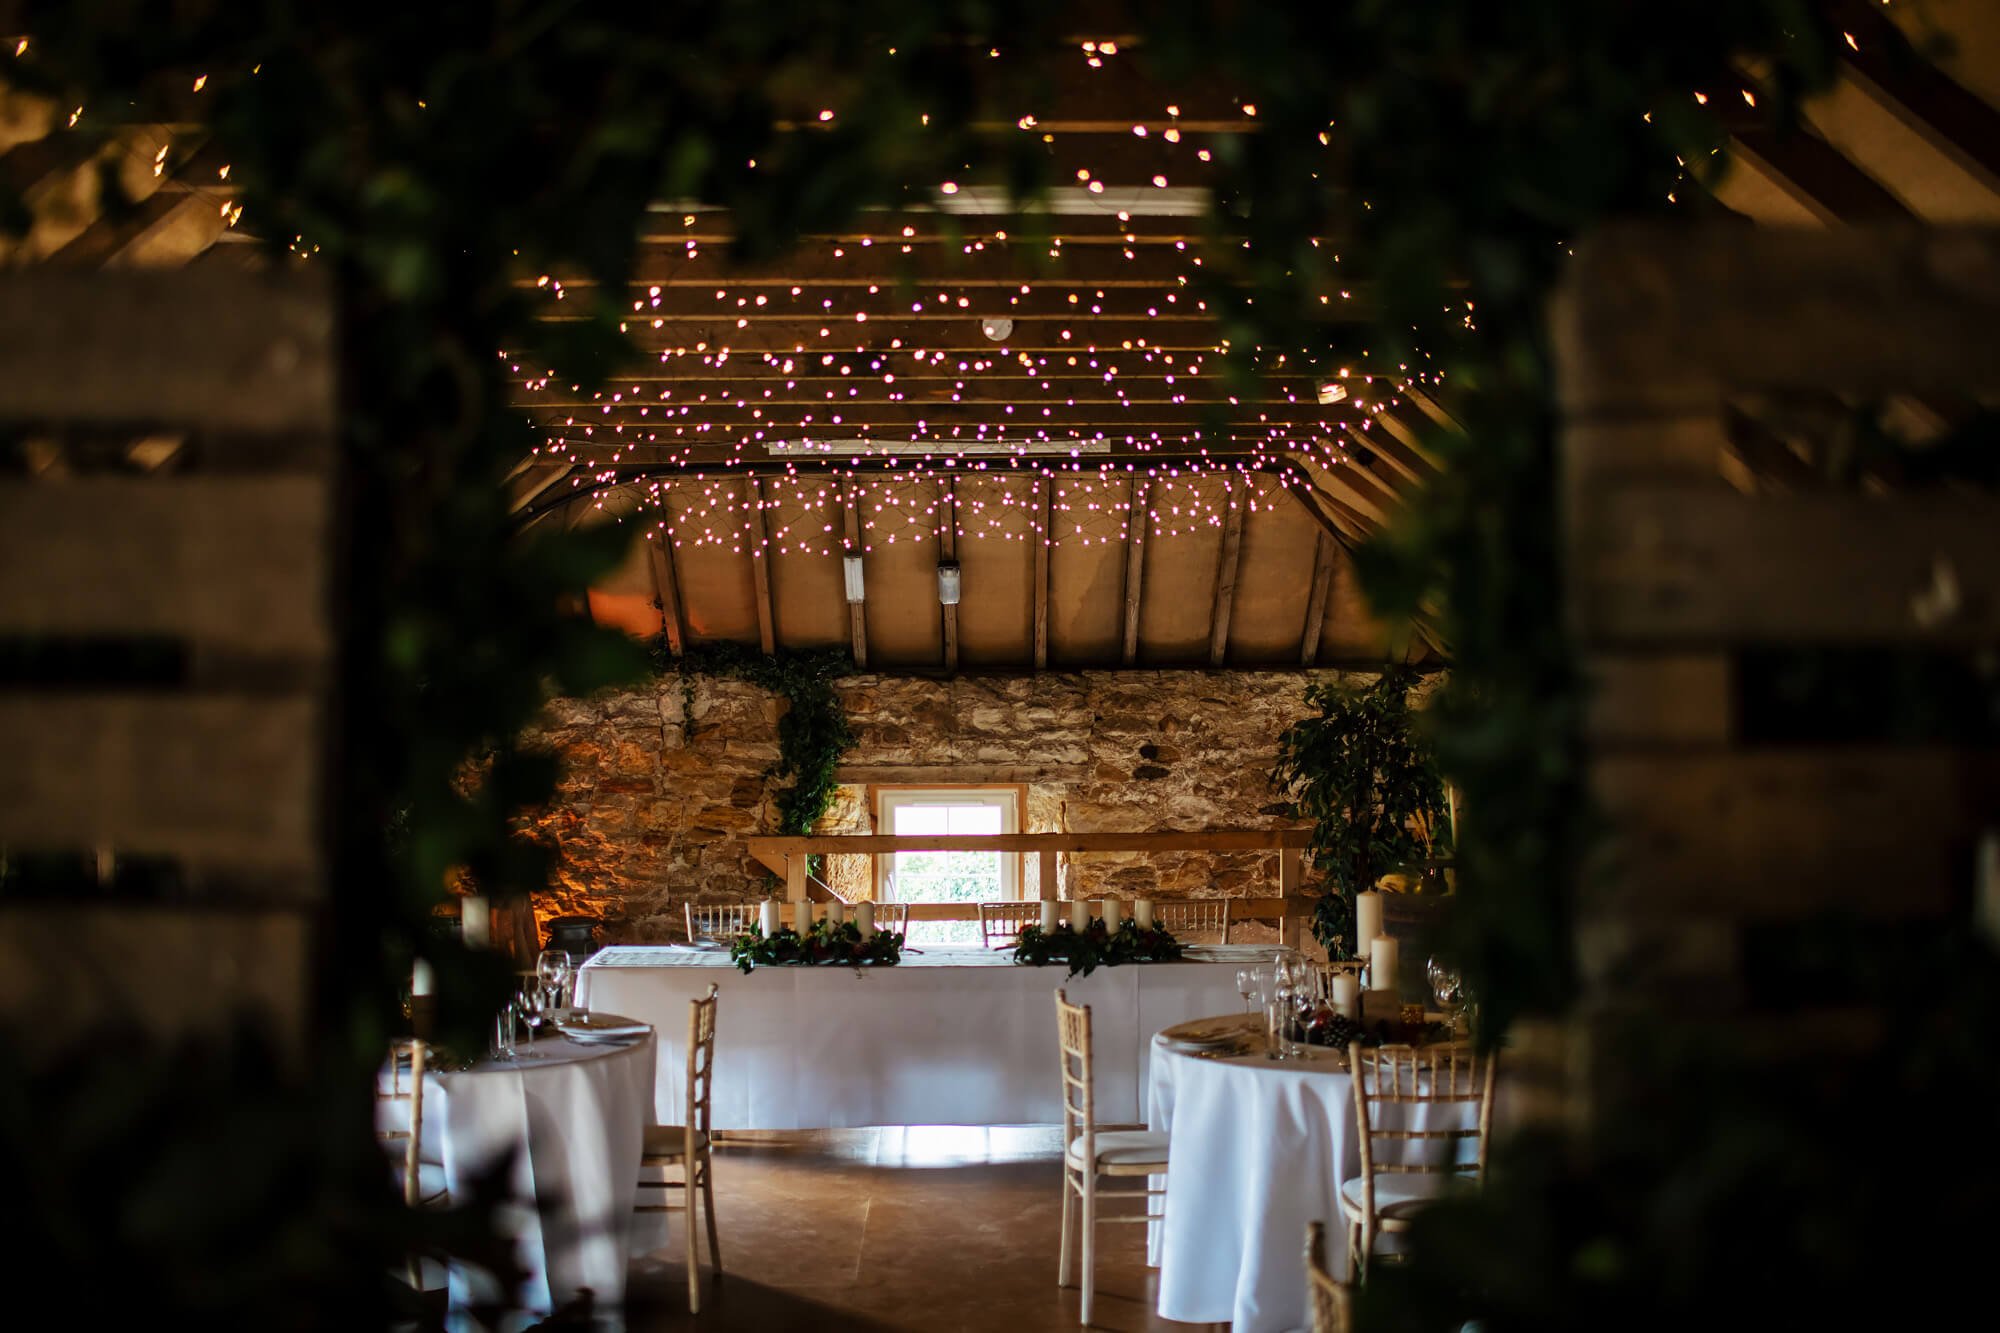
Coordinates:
<point>948,877</point>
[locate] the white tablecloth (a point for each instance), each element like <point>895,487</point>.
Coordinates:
<point>576,1112</point>
<point>948,1037</point>
<point>1256,1150</point>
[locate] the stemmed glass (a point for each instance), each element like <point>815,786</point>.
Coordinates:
<point>552,970</point>
<point>1246,985</point>
<point>1447,988</point>
<point>1278,1017</point>
<point>534,1001</point>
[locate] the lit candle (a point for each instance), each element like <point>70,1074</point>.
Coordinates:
<point>476,922</point>
<point>1079,915</point>
<point>1114,913</point>
<point>864,919</point>
<point>1051,915</point>
<point>420,978</point>
<point>802,915</point>
<point>1367,921</point>
<point>768,917</point>
<point>836,912</point>
<point>1382,963</point>
<point>1142,913</point>
<point>1346,995</point>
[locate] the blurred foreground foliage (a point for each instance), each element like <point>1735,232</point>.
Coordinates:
<point>429,155</point>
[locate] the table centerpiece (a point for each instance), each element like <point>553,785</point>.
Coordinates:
<point>824,944</point>
<point>1095,946</point>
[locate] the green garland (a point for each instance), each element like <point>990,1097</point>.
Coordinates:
<point>1096,947</point>
<point>813,734</point>
<point>823,945</point>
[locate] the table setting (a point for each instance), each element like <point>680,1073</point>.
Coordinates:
<point>567,1092</point>
<point>1260,1113</point>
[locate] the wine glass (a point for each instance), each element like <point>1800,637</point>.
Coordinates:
<point>552,970</point>
<point>1447,988</point>
<point>1277,1018</point>
<point>1246,985</point>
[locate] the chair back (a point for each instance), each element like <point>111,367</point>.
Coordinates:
<point>1332,1300</point>
<point>409,1090</point>
<point>1396,1091</point>
<point>1079,1106</point>
<point>892,916</point>
<point>700,1064</point>
<point>1194,916</point>
<point>719,922</point>
<point>1000,923</point>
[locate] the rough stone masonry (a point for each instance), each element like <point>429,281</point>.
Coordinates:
<point>655,797</point>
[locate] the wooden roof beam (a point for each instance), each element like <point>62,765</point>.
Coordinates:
<point>1324,551</point>
<point>1041,531</point>
<point>947,535</point>
<point>851,548</point>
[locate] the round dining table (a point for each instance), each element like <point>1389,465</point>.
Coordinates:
<point>1256,1149</point>
<point>573,1114</point>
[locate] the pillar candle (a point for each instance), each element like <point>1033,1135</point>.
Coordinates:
<point>420,978</point>
<point>1079,915</point>
<point>768,917</point>
<point>1051,915</point>
<point>1142,913</point>
<point>802,914</point>
<point>1382,963</point>
<point>1986,888</point>
<point>864,919</point>
<point>836,912</point>
<point>1346,995</point>
<point>1114,913</point>
<point>476,922</point>
<point>1367,921</point>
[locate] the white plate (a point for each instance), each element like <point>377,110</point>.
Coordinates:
<point>601,1027</point>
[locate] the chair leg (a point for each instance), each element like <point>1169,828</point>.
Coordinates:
<point>1089,1241</point>
<point>1068,1212</point>
<point>1353,1251</point>
<point>708,1213</point>
<point>693,1260</point>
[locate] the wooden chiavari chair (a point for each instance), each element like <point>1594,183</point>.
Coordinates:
<point>889,916</point>
<point>686,1145</point>
<point>1412,1084</point>
<point>422,1183</point>
<point>724,922</point>
<point>1000,923</point>
<point>1089,1152</point>
<point>1330,1301</point>
<point>1195,916</point>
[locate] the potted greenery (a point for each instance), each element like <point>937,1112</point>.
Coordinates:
<point>1363,773</point>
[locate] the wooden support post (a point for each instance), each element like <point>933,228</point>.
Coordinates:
<point>668,587</point>
<point>857,612</point>
<point>760,562</point>
<point>795,878</point>
<point>1225,577</point>
<point>1291,876</point>
<point>1136,523</point>
<point>1048,868</point>
<point>1045,537</point>
<point>948,554</point>
<point>1322,580</point>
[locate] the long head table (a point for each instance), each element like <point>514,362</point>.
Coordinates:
<point>951,1036</point>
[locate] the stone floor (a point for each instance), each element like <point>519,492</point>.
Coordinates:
<point>926,1228</point>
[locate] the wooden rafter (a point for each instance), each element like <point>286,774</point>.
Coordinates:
<point>760,561</point>
<point>1227,566</point>
<point>1137,519</point>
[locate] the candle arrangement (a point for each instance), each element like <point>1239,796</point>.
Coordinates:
<point>826,942</point>
<point>1087,942</point>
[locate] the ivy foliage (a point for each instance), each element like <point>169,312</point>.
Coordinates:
<point>1097,946</point>
<point>813,733</point>
<point>823,945</point>
<point>1362,771</point>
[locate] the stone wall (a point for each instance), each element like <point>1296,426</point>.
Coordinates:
<point>655,796</point>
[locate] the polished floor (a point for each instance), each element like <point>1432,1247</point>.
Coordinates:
<point>925,1228</point>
